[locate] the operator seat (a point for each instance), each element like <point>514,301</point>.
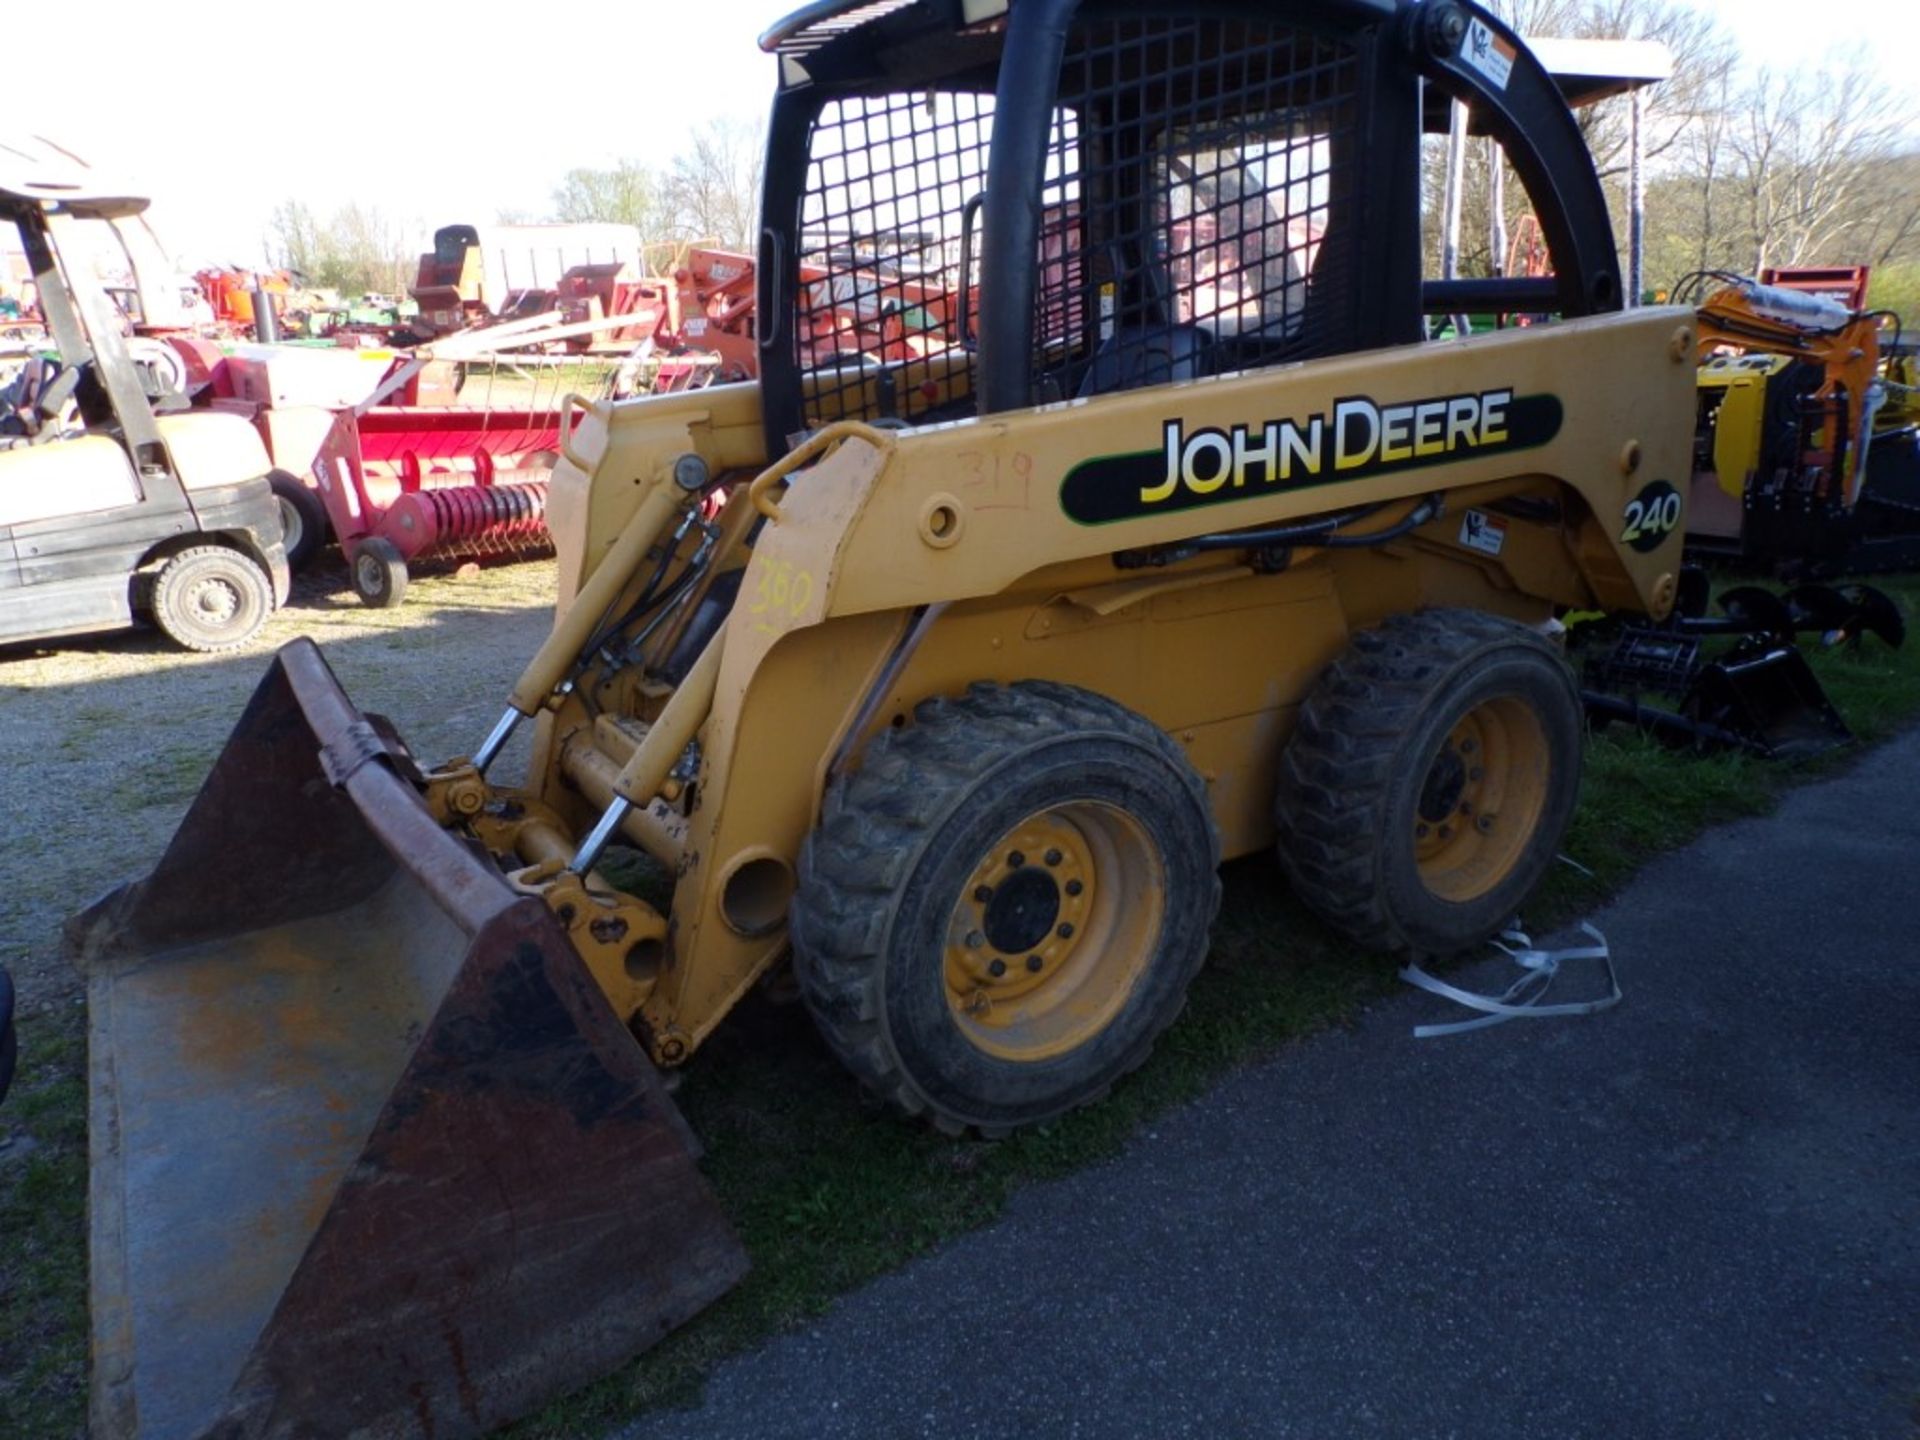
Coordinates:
<point>1152,353</point>
<point>1140,355</point>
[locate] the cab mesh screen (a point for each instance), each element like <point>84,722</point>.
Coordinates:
<point>1196,215</point>
<point>889,179</point>
<point>1191,221</point>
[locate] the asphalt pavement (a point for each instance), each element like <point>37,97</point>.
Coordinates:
<point>1695,1215</point>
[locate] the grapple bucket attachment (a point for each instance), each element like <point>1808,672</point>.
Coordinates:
<point>371,1154</point>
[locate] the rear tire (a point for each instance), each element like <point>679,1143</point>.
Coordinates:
<point>1429,780</point>
<point>1034,829</point>
<point>303,518</point>
<point>211,598</point>
<point>379,573</point>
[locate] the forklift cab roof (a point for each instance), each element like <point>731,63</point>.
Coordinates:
<point>37,175</point>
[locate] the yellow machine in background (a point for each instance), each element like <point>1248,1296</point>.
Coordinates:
<point>1807,458</point>
<point>954,679</point>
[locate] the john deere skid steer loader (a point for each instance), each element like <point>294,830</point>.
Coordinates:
<point>954,677</point>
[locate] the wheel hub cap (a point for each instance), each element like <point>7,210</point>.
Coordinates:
<point>1482,799</point>
<point>1023,910</point>
<point>213,602</point>
<point>1052,929</point>
<point>1446,780</point>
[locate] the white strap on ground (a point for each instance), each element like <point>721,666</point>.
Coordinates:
<point>1522,999</point>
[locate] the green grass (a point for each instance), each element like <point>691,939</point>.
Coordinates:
<point>43,1235</point>
<point>827,1190</point>
<point>171,776</point>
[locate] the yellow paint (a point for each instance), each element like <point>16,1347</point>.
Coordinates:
<point>1494,768</point>
<point>1055,993</point>
<point>1216,652</point>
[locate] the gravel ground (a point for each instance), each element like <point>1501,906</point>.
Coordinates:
<point>105,740</point>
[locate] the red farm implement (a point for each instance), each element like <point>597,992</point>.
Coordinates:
<point>405,483</point>
<point>868,308</point>
<point>386,453</point>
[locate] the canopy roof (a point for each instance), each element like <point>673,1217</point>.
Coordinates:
<point>36,172</point>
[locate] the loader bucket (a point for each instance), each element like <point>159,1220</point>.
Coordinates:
<point>371,1154</point>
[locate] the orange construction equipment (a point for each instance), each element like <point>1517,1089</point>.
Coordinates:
<point>1845,283</point>
<point>1793,468</point>
<point>231,294</point>
<point>608,290</point>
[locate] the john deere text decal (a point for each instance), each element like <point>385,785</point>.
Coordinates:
<point>1358,437</point>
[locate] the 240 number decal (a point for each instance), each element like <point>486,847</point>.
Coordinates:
<point>1652,516</point>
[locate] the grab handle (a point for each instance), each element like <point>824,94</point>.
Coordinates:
<point>568,404</point>
<point>816,445</point>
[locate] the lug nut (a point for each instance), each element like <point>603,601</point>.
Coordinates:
<point>983,893</point>
<point>1053,857</point>
<point>975,939</point>
<point>1484,824</point>
<point>997,968</point>
<point>1074,887</point>
<point>1016,859</point>
<point>1065,932</point>
<point>1034,962</point>
<point>1466,747</point>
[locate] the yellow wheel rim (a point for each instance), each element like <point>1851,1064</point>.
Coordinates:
<point>1481,800</point>
<point>1053,930</point>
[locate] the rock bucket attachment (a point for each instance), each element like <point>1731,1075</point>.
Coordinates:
<point>371,1154</point>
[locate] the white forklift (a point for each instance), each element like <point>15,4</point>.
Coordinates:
<point>110,513</point>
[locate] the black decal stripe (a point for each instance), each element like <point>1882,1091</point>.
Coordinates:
<point>1107,489</point>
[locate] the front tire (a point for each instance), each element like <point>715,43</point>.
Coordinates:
<point>303,518</point>
<point>379,573</point>
<point>1429,780</point>
<point>1003,907</point>
<point>211,598</point>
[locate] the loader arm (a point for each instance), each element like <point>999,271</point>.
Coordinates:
<point>960,547</point>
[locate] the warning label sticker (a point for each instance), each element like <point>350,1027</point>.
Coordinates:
<point>1483,532</point>
<point>1488,53</point>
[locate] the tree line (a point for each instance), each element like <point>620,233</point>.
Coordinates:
<point>1744,169</point>
<point>707,193</point>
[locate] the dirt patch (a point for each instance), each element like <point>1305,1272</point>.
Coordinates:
<point>104,741</point>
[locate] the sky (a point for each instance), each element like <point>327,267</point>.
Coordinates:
<point>461,109</point>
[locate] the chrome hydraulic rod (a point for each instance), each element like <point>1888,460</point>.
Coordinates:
<point>497,738</point>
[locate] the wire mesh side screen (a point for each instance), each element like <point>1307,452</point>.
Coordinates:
<point>1198,204</point>
<point>891,181</point>
<point>1194,218</point>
